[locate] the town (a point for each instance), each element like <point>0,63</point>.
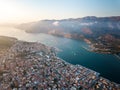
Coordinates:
<point>34,66</point>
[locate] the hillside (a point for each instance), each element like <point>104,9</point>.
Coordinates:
<point>101,33</point>
<point>6,43</point>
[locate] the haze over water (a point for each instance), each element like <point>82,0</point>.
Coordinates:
<point>72,51</point>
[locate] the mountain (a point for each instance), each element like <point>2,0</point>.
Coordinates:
<point>97,31</point>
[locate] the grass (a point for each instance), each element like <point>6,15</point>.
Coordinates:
<point>6,42</point>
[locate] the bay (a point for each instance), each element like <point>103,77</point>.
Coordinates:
<point>72,51</point>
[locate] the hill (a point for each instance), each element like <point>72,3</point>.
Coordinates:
<point>101,33</point>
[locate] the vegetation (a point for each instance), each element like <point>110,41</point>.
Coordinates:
<point>6,42</point>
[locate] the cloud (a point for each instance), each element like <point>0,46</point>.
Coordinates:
<point>56,23</point>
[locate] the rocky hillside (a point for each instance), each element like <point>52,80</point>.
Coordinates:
<point>99,31</point>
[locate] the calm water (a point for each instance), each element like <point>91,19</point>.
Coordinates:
<point>73,52</point>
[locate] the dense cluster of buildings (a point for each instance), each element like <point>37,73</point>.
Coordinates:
<point>34,66</point>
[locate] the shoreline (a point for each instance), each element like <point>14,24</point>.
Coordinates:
<point>87,78</point>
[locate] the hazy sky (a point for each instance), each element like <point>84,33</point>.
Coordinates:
<point>33,10</point>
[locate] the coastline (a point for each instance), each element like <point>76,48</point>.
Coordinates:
<point>85,77</point>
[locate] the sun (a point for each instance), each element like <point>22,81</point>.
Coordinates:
<point>7,10</point>
<point>10,11</point>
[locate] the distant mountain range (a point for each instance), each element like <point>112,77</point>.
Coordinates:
<point>99,32</point>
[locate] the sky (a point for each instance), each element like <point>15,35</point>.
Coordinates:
<point>19,11</point>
